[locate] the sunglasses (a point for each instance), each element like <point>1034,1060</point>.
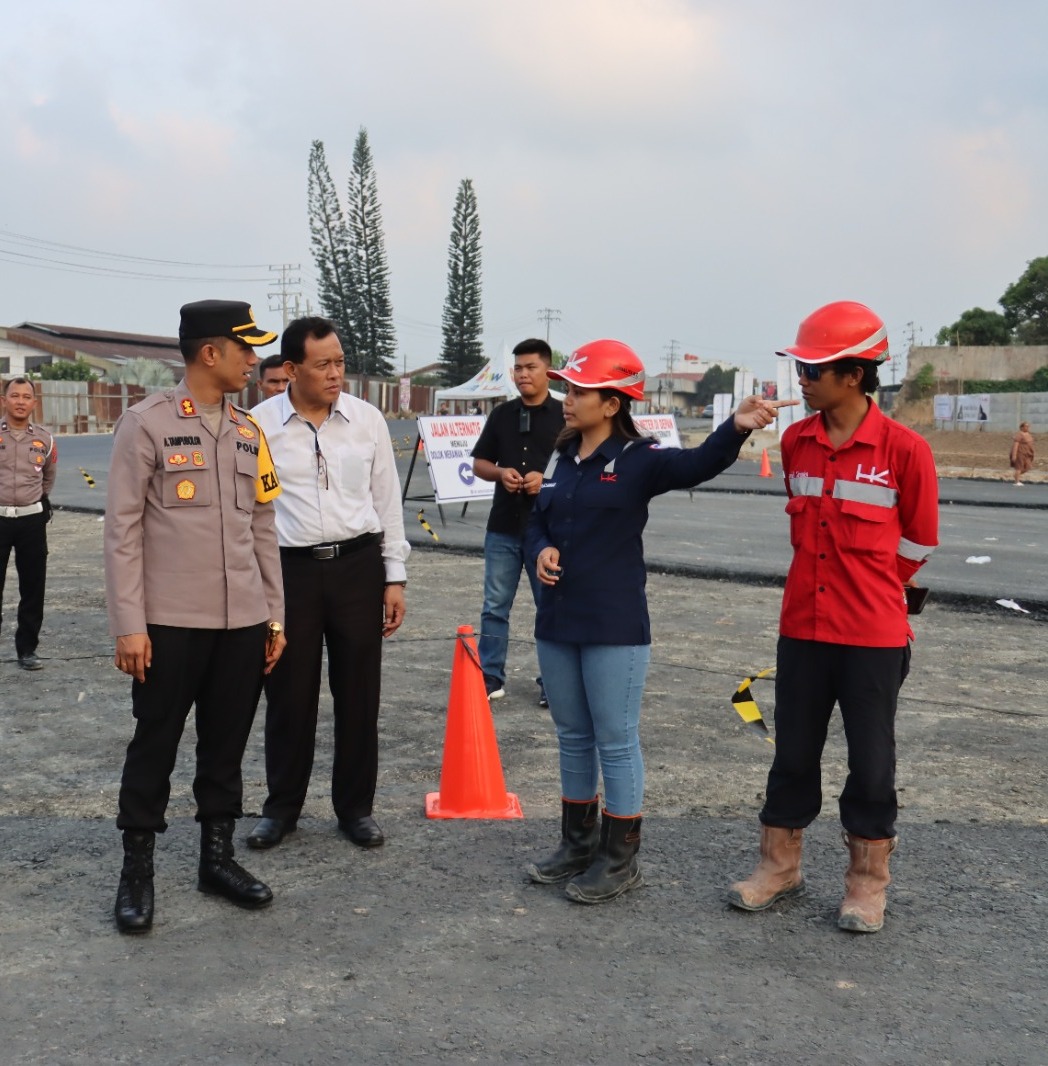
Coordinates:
<point>809,371</point>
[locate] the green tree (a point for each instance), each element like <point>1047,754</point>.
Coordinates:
<point>462,353</point>
<point>367,249</point>
<point>923,382</point>
<point>977,326</point>
<point>329,239</point>
<point>67,370</point>
<point>142,372</point>
<point>716,379</point>
<point>1025,303</point>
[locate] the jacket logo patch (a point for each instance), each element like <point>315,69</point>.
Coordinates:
<point>38,459</point>
<point>246,433</point>
<point>198,458</point>
<point>873,476</point>
<point>178,459</point>
<point>185,490</point>
<point>187,407</point>
<point>609,477</point>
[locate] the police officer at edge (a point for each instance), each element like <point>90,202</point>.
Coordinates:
<point>195,597</point>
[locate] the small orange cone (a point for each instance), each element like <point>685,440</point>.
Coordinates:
<point>765,464</point>
<point>471,781</point>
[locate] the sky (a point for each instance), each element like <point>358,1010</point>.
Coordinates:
<point>687,177</point>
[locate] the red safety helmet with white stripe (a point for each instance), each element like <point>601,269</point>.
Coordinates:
<point>604,364</point>
<point>841,330</point>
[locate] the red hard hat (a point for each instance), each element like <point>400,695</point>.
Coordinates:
<point>841,330</point>
<point>604,365</point>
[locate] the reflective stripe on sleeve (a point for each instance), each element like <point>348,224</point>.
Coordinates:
<point>806,486</point>
<point>916,553</point>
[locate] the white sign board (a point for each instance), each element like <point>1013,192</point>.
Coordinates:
<point>722,408</point>
<point>745,385</point>
<point>973,408</point>
<point>789,388</point>
<point>943,407</point>
<point>662,427</point>
<point>448,441</point>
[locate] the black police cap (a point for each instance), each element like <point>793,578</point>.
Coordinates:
<point>222,318</point>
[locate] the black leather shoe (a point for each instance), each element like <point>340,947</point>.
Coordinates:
<point>364,832</point>
<point>270,831</point>
<point>30,661</point>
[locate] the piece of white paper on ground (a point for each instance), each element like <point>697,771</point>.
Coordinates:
<point>1012,604</point>
<point>977,559</point>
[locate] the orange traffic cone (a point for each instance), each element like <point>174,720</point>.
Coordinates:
<point>471,781</point>
<point>765,464</point>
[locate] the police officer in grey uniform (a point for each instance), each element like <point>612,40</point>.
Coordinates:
<point>195,597</point>
<point>27,473</point>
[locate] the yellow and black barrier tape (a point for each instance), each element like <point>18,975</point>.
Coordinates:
<point>426,526</point>
<point>746,705</point>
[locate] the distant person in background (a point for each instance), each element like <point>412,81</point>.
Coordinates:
<point>27,472</point>
<point>512,450</point>
<point>272,377</point>
<point>443,409</point>
<point>1021,459</point>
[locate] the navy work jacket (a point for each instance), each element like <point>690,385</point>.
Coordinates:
<point>594,512</point>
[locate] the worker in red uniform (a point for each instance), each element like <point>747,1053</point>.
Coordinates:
<point>863,507</point>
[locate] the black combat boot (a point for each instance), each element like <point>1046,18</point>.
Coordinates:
<point>579,837</point>
<point>615,869</point>
<point>134,896</point>
<point>220,874</point>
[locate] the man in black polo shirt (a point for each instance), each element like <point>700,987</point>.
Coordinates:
<point>512,451</point>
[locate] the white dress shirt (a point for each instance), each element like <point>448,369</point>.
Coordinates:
<point>339,481</point>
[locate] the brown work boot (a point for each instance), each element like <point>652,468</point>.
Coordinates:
<point>778,874</point>
<point>864,882</point>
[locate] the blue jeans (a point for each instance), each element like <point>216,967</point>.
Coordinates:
<point>594,694</point>
<point>503,562</point>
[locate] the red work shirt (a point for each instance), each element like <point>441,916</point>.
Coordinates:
<point>863,519</point>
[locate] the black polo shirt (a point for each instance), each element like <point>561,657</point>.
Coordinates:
<point>525,444</point>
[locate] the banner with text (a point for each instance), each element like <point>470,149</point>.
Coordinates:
<point>448,441</point>
<point>662,427</point>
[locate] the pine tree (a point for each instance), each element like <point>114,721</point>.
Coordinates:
<point>462,353</point>
<point>330,240</point>
<point>373,314</point>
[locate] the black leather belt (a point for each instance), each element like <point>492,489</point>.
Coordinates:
<point>333,551</point>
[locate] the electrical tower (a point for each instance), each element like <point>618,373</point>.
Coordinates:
<point>284,294</point>
<point>548,315</point>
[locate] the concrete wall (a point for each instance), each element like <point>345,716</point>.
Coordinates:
<point>988,362</point>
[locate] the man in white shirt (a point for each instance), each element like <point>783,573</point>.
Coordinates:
<point>342,550</point>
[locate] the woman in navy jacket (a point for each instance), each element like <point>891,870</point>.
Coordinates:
<point>591,626</point>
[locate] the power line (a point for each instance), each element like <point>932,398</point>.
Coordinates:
<point>94,270</point>
<point>549,314</point>
<point>283,293</point>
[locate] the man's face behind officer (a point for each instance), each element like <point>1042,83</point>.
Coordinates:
<point>317,381</point>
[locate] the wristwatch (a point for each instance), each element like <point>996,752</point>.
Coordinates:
<point>402,584</point>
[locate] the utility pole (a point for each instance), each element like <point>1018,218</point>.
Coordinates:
<point>284,293</point>
<point>671,358</point>
<point>548,315</point>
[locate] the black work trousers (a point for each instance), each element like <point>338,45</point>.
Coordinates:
<point>810,677</point>
<point>219,670</point>
<point>27,536</point>
<point>337,602</point>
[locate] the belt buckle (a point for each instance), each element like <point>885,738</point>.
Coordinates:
<point>325,551</point>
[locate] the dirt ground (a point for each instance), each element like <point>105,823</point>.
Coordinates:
<point>436,948</point>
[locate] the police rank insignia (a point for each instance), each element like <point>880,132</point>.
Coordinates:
<point>185,490</point>
<point>178,459</point>
<point>198,458</point>
<point>38,444</point>
<point>187,407</point>
<point>246,433</point>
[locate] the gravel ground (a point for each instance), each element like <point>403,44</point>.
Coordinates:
<point>437,948</point>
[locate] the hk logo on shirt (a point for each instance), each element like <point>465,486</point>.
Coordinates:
<point>874,477</point>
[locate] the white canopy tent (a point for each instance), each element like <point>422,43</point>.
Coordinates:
<point>494,381</point>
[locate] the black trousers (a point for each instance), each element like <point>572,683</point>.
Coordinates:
<point>28,537</point>
<point>219,670</point>
<point>810,677</point>
<point>337,602</point>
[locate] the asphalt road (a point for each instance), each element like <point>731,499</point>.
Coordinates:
<point>733,527</point>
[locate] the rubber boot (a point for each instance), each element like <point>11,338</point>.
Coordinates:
<point>134,895</point>
<point>579,838</point>
<point>862,910</point>
<point>615,869</point>
<point>220,874</point>
<point>778,874</point>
